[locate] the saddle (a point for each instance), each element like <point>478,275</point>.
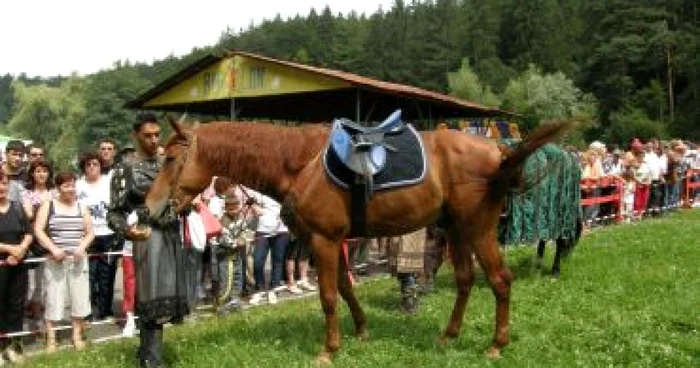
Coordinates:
<point>363,149</point>
<point>364,160</point>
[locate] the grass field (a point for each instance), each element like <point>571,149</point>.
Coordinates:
<point>628,296</point>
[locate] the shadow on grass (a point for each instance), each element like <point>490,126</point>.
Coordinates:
<point>302,334</point>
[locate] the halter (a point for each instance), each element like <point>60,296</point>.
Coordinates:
<point>190,143</point>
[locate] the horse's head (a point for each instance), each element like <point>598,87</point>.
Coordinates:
<point>180,178</point>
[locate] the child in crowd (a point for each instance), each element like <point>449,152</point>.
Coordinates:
<point>229,250</point>
<point>628,193</point>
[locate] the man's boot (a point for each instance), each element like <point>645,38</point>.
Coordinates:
<point>409,293</point>
<point>429,285</point>
<point>151,349</point>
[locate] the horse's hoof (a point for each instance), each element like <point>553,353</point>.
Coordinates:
<point>324,359</point>
<point>445,339</point>
<point>493,353</point>
<point>362,335</point>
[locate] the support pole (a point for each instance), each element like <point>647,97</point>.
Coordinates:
<point>357,105</point>
<point>431,124</point>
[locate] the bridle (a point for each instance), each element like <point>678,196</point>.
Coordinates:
<point>189,143</point>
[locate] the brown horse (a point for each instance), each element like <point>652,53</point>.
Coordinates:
<point>467,180</point>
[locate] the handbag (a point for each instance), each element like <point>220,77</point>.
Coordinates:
<point>194,232</point>
<point>212,226</point>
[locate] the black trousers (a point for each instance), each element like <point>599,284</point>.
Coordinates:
<point>656,197</point>
<point>103,271</point>
<point>14,284</point>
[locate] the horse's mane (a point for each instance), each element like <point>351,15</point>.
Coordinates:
<point>259,151</point>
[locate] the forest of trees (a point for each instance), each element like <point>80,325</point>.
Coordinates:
<point>622,67</point>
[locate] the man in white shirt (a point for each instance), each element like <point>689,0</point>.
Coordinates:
<point>651,158</point>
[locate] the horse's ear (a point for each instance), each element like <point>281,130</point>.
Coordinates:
<point>177,125</point>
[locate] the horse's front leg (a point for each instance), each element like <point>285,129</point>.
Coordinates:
<point>326,253</point>
<point>561,250</point>
<point>346,291</point>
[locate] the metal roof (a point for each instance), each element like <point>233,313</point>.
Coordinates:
<point>377,98</point>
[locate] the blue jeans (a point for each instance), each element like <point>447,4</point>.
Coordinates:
<point>193,270</point>
<point>673,195</point>
<point>263,245</point>
<point>221,271</point>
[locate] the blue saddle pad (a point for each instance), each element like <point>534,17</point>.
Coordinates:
<point>406,166</point>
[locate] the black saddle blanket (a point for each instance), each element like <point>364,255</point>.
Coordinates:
<point>406,166</point>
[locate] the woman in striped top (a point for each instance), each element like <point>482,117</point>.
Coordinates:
<point>63,226</point>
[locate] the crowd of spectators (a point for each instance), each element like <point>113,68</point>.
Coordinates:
<point>653,176</point>
<point>59,259</point>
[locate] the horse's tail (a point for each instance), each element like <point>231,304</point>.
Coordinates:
<point>509,175</point>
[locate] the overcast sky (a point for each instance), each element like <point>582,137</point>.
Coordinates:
<point>57,37</point>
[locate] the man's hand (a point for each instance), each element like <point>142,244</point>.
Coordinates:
<point>138,233</point>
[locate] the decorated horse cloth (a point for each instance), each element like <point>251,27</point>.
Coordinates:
<point>550,206</point>
<point>406,253</point>
<point>405,165</point>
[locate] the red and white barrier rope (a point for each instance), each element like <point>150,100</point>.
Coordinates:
<point>44,259</point>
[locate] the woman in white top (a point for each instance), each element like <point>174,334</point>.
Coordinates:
<point>271,236</point>
<point>92,190</point>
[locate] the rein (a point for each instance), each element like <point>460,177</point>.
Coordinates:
<point>187,146</point>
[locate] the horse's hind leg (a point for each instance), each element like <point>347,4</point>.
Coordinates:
<point>346,291</point>
<point>487,251</point>
<point>326,253</point>
<point>540,254</point>
<point>464,278</point>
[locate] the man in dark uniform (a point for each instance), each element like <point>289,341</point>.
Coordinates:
<point>160,285</point>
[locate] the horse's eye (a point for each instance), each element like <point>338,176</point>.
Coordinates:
<point>169,159</point>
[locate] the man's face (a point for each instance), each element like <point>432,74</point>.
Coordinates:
<point>36,153</point>
<point>107,152</point>
<point>148,137</point>
<point>14,158</point>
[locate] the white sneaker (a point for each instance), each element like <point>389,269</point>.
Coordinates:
<point>294,290</point>
<point>256,299</point>
<point>14,355</point>
<point>282,287</point>
<point>129,328</point>
<point>272,297</point>
<point>304,284</point>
